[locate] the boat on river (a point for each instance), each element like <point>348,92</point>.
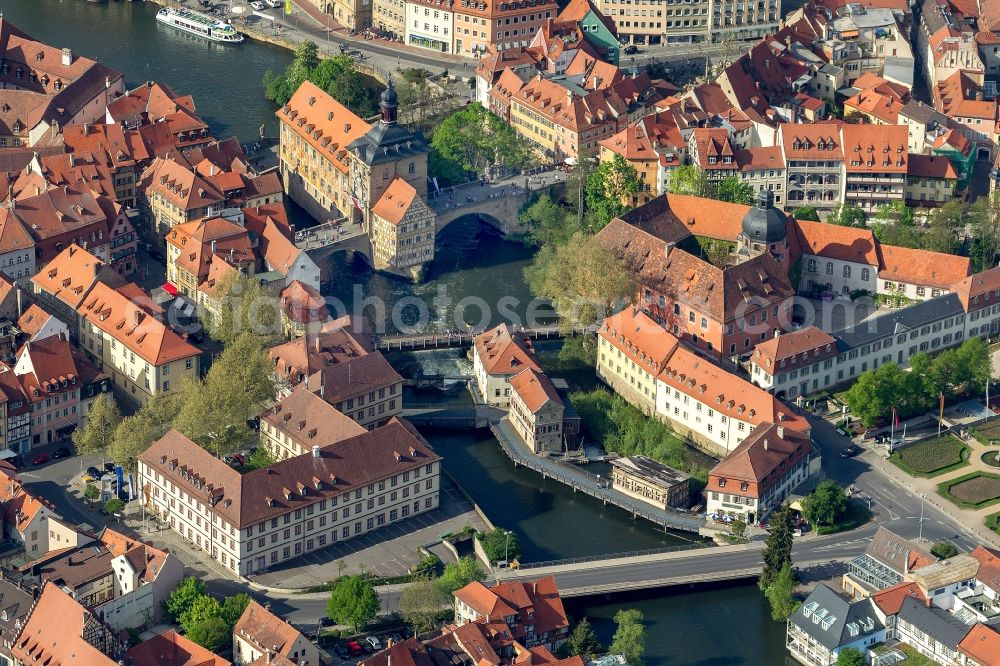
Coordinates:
<point>199,24</point>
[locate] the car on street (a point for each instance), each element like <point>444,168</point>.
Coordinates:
<point>374,642</point>
<point>396,638</point>
<point>631,49</point>
<point>257,4</point>
<point>94,472</point>
<point>366,647</point>
<point>850,451</point>
<point>109,467</point>
<point>325,622</point>
<point>62,452</point>
<point>275,4</point>
<point>40,459</point>
<point>341,650</point>
<point>354,648</point>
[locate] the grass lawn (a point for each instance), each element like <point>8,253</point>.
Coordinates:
<point>972,491</point>
<point>993,522</point>
<point>932,457</point>
<point>857,514</point>
<point>913,658</point>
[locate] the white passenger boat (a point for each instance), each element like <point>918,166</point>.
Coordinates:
<point>199,24</point>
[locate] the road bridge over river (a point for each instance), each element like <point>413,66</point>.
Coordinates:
<point>669,567</point>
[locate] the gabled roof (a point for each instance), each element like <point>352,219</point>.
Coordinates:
<point>54,633</point>
<point>764,450</point>
<point>308,420</point>
<point>890,600</point>
<point>395,201</point>
<point>937,623</point>
<point>982,645</point>
<point>837,242</point>
<point>833,621</point>
<point>793,343</point>
<point>172,649</point>
<point>535,389</point>
<point>266,631</point>
<point>326,124</point>
<point>132,326</point>
<point>502,352</point>
<point>922,267</point>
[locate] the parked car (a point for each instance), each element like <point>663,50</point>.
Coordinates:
<point>325,622</point>
<point>366,647</point>
<point>341,651</point>
<point>850,451</point>
<point>257,4</point>
<point>396,638</point>
<point>630,49</point>
<point>275,4</point>
<point>374,642</point>
<point>62,452</point>
<point>354,648</point>
<point>109,467</point>
<point>40,459</point>
<point>94,472</point>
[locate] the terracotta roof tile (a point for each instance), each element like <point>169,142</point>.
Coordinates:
<point>265,630</point>
<point>837,242</point>
<point>395,201</point>
<point>890,600</point>
<point>502,352</point>
<point>308,420</point>
<point>922,267</point>
<point>762,452</point>
<point>535,389</point>
<point>54,633</point>
<point>172,649</point>
<point>982,645</point>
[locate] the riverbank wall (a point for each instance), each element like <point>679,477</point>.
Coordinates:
<point>284,41</point>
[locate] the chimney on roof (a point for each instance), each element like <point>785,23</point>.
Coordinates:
<point>315,451</point>
<point>781,432</point>
<point>20,302</point>
<point>67,57</point>
<point>765,443</point>
<point>317,344</point>
<point>213,247</point>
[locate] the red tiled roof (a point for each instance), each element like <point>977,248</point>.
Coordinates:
<point>534,388</point>
<point>890,600</point>
<point>502,352</point>
<point>837,242</point>
<point>54,633</point>
<point>922,267</point>
<point>982,645</point>
<point>763,451</point>
<point>172,649</point>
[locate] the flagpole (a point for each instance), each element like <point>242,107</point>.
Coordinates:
<point>892,430</point>
<point>940,411</point>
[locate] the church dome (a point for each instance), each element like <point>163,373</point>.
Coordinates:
<point>389,96</point>
<point>764,223</point>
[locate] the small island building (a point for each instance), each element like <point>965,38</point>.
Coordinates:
<point>536,411</point>
<point>498,355</point>
<point>650,481</point>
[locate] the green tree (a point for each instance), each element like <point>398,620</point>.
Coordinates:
<point>420,603</point>
<point>113,506</point>
<point>212,633</point>
<point>548,222</point>
<point>688,179</point>
<point>474,140</point>
<point>202,608</point>
<point>259,459</point>
<point>944,550</point>
<point>585,281</point>
<point>579,350</point>
<point>240,381</point>
<point>630,636</point>
<point>459,574</point>
<point>894,225</point>
<point>582,641</point>
<point>279,88</point>
<point>91,492</point>
<point>735,190</point>
<point>353,602</point>
<point>806,213</point>
<point>780,594</point>
<point>848,215</point>
<point>500,545</point>
<point>610,190</point>
<point>876,392</point>
<point>233,607</point>
<point>778,547</point>
<point>825,505</point>
<point>183,597</point>
<point>944,228</point>
<point>985,241</point>
<point>93,438</point>
<point>429,567</point>
<point>851,657</point>
<point>245,306</point>
<point>133,435</point>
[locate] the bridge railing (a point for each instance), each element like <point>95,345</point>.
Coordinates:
<point>734,574</point>
<point>614,556</point>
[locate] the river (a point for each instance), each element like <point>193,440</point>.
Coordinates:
<point>224,79</point>
<point>702,626</point>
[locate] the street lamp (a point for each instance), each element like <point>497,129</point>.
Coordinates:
<point>923,498</point>
<point>506,548</point>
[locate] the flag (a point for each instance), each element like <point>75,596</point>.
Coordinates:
<point>288,7</point>
<point>941,408</point>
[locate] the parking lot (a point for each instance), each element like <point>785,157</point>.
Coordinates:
<point>386,552</point>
